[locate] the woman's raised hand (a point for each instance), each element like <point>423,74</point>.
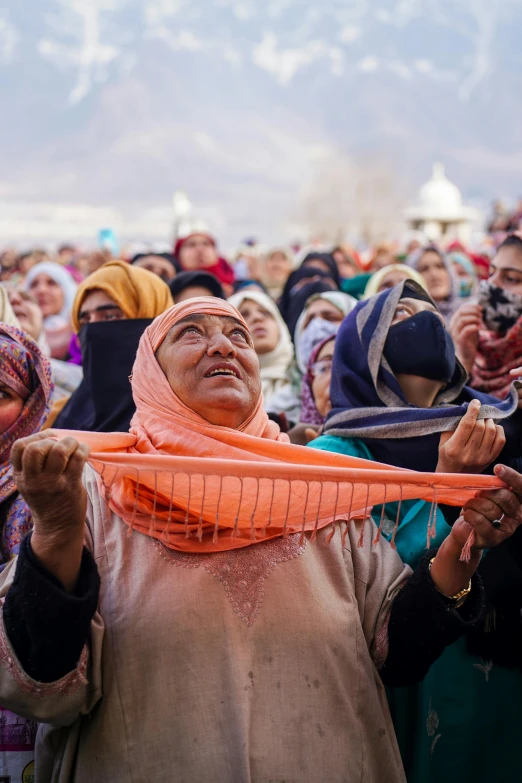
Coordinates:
<point>502,506</point>
<point>464,327</point>
<point>474,445</point>
<point>48,474</point>
<point>483,514</point>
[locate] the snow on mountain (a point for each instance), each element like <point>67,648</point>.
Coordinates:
<point>117,103</point>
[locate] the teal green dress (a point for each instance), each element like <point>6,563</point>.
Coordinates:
<point>355,286</point>
<point>463,722</point>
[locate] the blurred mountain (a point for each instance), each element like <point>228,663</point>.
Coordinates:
<point>117,103</point>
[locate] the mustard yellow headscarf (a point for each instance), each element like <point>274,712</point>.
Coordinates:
<point>137,292</point>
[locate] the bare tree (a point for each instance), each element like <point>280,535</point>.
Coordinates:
<point>356,200</point>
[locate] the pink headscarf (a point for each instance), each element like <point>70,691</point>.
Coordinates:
<point>157,406</point>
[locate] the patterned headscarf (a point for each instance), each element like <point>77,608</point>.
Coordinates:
<point>309,412</point>
<point>25,369</point>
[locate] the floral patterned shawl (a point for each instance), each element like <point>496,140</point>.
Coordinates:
<point>25,369</point>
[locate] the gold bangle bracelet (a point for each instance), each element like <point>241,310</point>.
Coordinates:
<point>457,599</point>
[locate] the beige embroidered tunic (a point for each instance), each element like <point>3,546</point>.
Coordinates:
<point>252,666</point>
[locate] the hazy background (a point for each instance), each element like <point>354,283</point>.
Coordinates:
<point>263,111</point>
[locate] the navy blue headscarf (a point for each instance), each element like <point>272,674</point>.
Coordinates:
<point>294,298</point>
<point>368,403</point>
<point>327,260</point>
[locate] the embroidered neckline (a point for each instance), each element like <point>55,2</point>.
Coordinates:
<point>242,572</point>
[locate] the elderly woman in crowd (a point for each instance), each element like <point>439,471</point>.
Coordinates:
<point>441,281</point>
<point>389,276</point>
<point>275,351</point>
<point>267,672</point>
<point>488,334</point>
<point>408,408</point>
<point>54,289</point>
<point>25,392</point>
<point>112,309</point>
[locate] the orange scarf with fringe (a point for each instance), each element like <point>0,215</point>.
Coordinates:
<point>203,488</point>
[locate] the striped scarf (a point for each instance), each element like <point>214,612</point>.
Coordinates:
<point>367,400</point>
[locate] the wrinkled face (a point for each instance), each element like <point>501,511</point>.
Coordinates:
<point>11,405</point>
<point>198,252</point>
<point>26,310</point>
<point>98,307</point>
<point>158,266</point>
<point>191,292</point>
<point>320,308</point>
<point>261,325</point>
<point>506,270</point>
<point>408,307</point>
<point>278,267</point>
<point>322,376</point>
<point>211,365</point>
<point>392,278</point>
<point>48,295</point>
<point>433,269</point>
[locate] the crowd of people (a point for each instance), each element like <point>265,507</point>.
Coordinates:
<point>169,625</point>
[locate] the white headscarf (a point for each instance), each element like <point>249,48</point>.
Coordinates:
<point>61,277</point>
<point>307,339</point>
<point>274,365</point>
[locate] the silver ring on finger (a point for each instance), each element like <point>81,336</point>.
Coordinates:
<point>497,523</point>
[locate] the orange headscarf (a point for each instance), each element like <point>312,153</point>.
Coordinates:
<point>204,488</point>
<point>137,292</point>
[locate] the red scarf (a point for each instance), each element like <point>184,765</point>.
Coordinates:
<point>496,356</point>
<point>222,270</point>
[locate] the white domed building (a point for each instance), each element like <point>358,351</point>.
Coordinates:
<point>440,213</point>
